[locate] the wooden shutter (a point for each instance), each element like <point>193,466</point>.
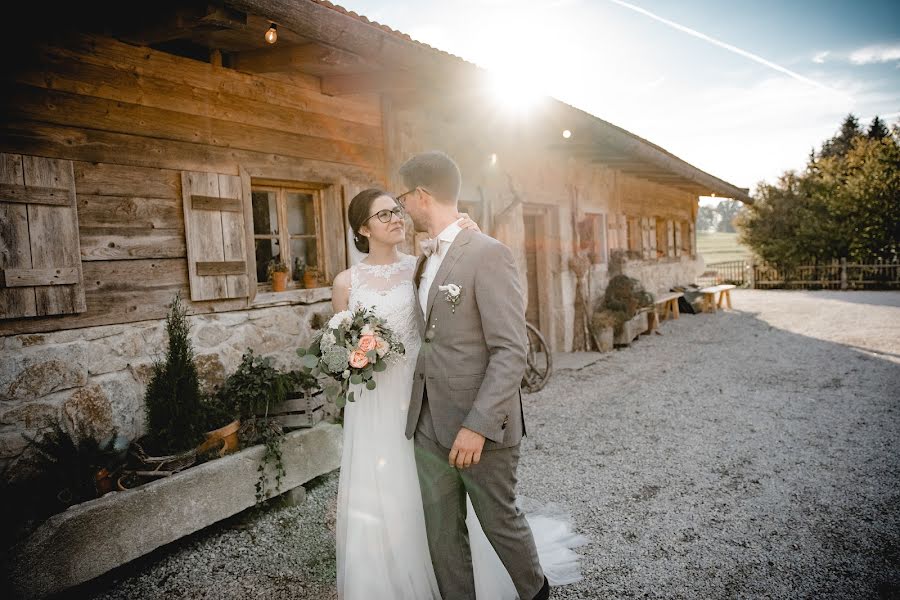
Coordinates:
<point>334,228</point>
<point>677,227</point>
<point>651,235</point>
<point>215,235</point>
<point>645,237</point>
<point>40,255</point>
<point>670,237</point>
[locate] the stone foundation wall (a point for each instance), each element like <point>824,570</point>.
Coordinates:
<point>660,275</point>
<point>92,380</point>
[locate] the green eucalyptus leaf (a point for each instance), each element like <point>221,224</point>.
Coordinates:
<point>370,384</point>
<point>350,397</point>
<point>356,379</point>
<point>379,366</point>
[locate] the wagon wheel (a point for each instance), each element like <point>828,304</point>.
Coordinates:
<point>539,361</point>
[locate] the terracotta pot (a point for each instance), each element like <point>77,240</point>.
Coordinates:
<point>103,481</point>
<point>279,281</point>
<point>227,436</point>
<point>311,278</point>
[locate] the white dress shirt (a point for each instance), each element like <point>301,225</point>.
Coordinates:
<point>433,262</point>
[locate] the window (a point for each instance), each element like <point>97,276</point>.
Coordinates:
<point>592,237</point>
<point>286,227</point>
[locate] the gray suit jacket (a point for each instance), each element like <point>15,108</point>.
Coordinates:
<point>472,358</point>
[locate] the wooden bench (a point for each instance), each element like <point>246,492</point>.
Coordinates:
<point>667,303</point>
<point>664,306</point>
<point>709,296</point>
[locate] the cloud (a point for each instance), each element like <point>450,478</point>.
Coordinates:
<point>881,53</point>
<point>819,58</point>
<point>693,32</point>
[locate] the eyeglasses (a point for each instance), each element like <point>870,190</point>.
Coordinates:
<point>386,214</point>
<point>399,199</point>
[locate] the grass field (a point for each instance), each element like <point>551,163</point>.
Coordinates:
<point>721,247</point>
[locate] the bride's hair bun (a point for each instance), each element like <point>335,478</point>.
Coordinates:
<point>359,212</point>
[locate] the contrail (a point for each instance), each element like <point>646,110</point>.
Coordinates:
<point>729,47</point>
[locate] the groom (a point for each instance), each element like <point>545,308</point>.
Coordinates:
<point>466,409</point>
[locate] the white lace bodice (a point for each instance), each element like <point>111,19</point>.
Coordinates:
<point>389,291</point>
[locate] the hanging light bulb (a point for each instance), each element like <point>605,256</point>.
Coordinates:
<point>272,34</point>
<point>567,134</point>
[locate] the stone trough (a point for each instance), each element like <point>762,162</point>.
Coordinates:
<point>94,537</point>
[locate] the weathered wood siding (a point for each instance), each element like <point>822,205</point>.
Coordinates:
<point>132,120</point>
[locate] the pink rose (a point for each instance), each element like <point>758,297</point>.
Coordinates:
<point>367,343</point>
<point>358,359</point>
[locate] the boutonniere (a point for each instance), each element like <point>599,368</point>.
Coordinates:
<point>453,294</point>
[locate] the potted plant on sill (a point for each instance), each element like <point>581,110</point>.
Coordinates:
<point>278,274</point>
<point>311,277</point>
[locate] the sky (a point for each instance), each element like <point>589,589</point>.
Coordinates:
<point>743,90</point>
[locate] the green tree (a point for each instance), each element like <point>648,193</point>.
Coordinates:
<point>728,210</point>
<point>877,129</point>
<point>842,206</point>
<point>706,219</point>
<point>841,143</point>
<point>176,415</point>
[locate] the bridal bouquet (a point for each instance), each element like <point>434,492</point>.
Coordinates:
<point>350,350</point>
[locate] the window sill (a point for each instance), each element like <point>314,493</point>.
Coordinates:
<point>288,297</point>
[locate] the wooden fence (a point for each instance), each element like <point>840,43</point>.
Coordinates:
<point>836,275</point>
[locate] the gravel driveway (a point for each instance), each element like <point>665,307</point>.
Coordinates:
<point>748,454</point>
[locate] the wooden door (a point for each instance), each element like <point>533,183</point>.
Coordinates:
<point>532,237</point>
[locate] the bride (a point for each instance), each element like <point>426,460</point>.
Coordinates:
<point>382,548</point>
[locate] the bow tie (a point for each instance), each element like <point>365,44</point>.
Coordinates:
<point>430,246</point>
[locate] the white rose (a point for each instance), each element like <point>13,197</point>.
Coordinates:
<point>381,347</point>
<point>451,288</point>
<point>342,318</point>
<point>367,330</point>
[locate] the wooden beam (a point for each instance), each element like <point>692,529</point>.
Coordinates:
<point>317,59</point>
<point>319,22</point>
<point>215,203</point>
<point>35,195</point>
<point>366,83</point>
<point>10,278</point>
<point>227,267</point>
<point>182,22</point>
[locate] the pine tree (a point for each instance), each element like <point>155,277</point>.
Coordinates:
<point>176,418</point>
<point>877,129</point>
<point>841,144</point>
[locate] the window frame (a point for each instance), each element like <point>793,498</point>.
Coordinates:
<point>283,236</point>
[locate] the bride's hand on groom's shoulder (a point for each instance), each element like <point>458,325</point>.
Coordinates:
<point>466,449</point>
<point>466,222</point>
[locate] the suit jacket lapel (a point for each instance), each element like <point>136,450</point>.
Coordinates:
<point>453,254</point>
<point>417,278</point>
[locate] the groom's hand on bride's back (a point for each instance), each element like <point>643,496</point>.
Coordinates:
<point>466,449</point>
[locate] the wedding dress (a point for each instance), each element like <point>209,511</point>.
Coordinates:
<point>382,548</point>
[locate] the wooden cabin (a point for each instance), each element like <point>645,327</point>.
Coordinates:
<point>174,150</point>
